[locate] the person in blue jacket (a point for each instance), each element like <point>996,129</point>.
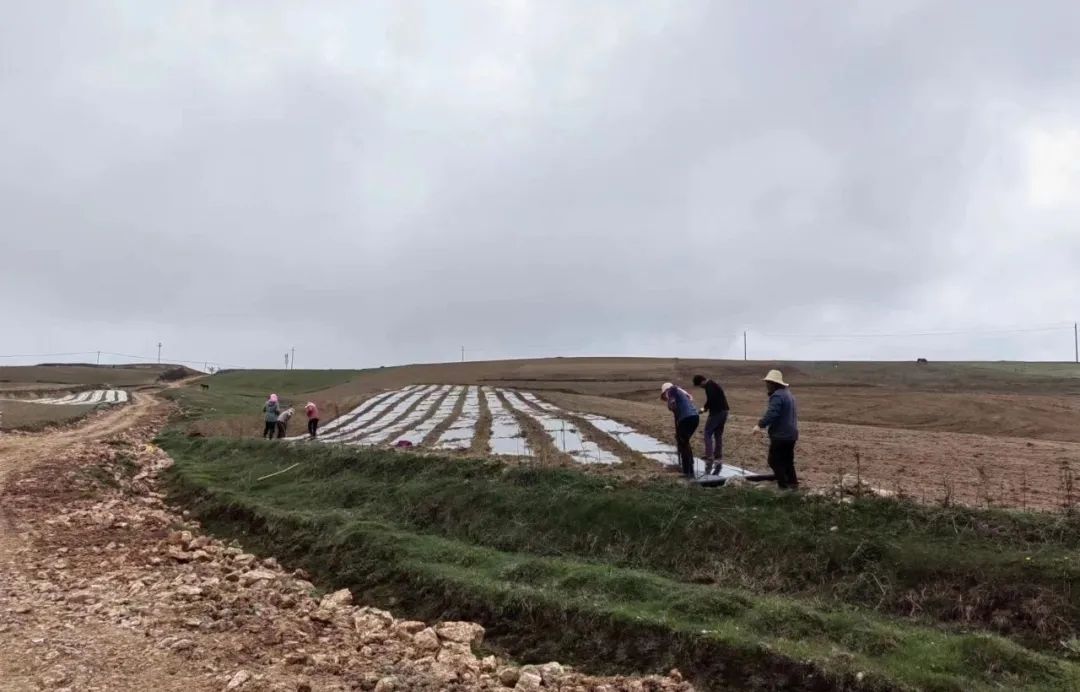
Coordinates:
<point>781,419</point>
<point>681,405</point>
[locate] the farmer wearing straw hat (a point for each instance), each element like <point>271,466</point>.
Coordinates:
<point>681,405</point>
<point>781,419</point>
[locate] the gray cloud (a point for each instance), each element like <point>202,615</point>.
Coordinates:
<point>386,182</point>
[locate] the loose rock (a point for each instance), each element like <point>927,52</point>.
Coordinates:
<point>426,640</point>
<point>529,682</point>
<point>465,632</point>
<point>237,681</point>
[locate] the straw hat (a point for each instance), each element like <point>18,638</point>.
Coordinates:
<point>776,377</point>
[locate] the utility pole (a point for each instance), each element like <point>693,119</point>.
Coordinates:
<point>292,359</point>
<point>159,353</point>
<point>286,361</point>
<point>99,357</point>
<point>462,354</point>
<point>744,345</point>
<point>1076,342</point>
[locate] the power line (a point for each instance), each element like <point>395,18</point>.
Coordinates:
<point>47,355</point>
<point>184,361</point>
<point>894,335</point>
<point>132,356</point>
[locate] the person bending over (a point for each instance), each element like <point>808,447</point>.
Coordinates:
<point>681,405</point>
<point>283,422</point>
<point>312,412</point>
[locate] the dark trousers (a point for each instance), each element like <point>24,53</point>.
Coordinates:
<point>782,463</point>
<point>281,430</point>
<point>313,426</point>
<point>684,432</point>
<point>270,429</point>
<point>714,434</point>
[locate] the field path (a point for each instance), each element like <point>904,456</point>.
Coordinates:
<point>111,647</point>
<point>19,451</point>
<point>103,586</point>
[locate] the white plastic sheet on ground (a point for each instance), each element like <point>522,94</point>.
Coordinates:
<point>96,396</point>
<point>507,437</point>
<point>364,414</point>
<point>392,433</point>
<point>461,432</point>
<point>417,434</point>
<point>564,434</point>
<point>366,434</point>
<point>651,447</point>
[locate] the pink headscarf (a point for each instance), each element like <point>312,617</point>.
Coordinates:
<point>273,398</point>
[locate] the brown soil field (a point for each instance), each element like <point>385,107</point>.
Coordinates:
<point>1039,401</point>
<point>23,415</point>
<point>19,377</point>
<point>930,466</point>
<point>28,388</point>
<point>1003,434</point>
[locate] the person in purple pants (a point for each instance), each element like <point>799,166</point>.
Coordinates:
<point>681,405</point>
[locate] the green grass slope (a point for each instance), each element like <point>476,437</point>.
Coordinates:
<point>741,588</point>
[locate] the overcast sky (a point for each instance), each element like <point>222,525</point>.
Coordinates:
<point>385,182</point>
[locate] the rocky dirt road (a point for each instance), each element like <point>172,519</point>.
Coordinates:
<point>103,586</point>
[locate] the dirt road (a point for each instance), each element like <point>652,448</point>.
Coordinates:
<point>20,451</point>
<point>103,586</point>
<point>40,642</point>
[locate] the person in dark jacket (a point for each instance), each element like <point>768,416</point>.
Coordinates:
<point>681,405</point>
<point>781,419</point>
<point>271,409</point>
<point>716,406</point>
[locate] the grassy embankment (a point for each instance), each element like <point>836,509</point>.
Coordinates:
<point>739,588</point>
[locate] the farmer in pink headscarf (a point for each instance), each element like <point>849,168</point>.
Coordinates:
<point>312,412</point>
<point>271,410</point>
